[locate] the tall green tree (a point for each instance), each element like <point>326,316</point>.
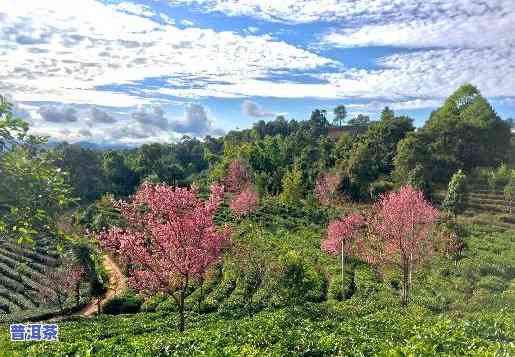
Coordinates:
<point>33,191</point>
<point>14,132</point>
<point>123,180</point>
<point>372,155</point>
<point>293,189</point>
<point>465,133</point>
<point>84,168</point>
<point>340,113</point>
<point>456,200</point>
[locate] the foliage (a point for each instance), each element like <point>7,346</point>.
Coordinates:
<point>62,282</point>
<point>418,179</point>
<point>293,190</point>
<point>14,131</point>
<point>326,188</point>
<point>32,192</point>
<point>378,188</point>
<point>297,280</point>
<point>401,234</point>
<point>465,133</point>
<point>121,177</point>
<point>509,195</point>
<point>500,177</point>
<point>99,215</point>
<point>323,331</point>
<point>124,304</point>
<point>340,113</point>
<point>373,153</point>
<point>457,194</point>
<point>170,239</point>
<point>245,202</point>
<point>237,178</point>
<point>84,168</point>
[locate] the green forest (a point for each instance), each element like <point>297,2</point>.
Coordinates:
<point>352,237</point>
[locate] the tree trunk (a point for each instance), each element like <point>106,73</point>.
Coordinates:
<point>181,311</point>
<point>60,302</point>
<point>77,294</point>
<point>343,287</point>
<point>407,272</point>
<point>201,295</point>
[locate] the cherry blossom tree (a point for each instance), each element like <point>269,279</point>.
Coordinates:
<point>238,181</point>
<point>453,246</point>
<point>237,178</point>
<point>245,202</point>
<point>401,234</point>
<point>341,238</point>
<point>61,282</point>
<point>170,239</point>
<point>326,188</point>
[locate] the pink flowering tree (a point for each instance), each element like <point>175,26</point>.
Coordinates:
<point>245,202</point>
<point>238,177</point>
<point>61,283</point>
<point>401,234</point>
<point>238,181</point>
<point>170,239</point>
<point>341,238</point>
<point>326,188</point>
<point>453,246</point>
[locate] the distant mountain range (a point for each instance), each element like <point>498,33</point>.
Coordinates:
<point>93,146</point>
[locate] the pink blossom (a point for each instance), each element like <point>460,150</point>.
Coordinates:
<point>326,188</point>
<point>170,238</point>
<point>401,233</point>
<point>342,233</point>
<point>404,221</point>
<point>237,178</point>
<point>245,202</point>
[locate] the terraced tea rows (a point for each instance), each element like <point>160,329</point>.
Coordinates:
<point>21,274</point>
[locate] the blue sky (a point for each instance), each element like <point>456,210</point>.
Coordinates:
<point>151,71</point>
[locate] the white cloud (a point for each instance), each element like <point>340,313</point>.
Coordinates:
<point>187,22</point>
<point>375,105</point>
<point>134,9</point>
<point>252,109</point>
<point>154,117</point>
<point>495,26</point>
<point>63,51</point>
<point>101,117</point>
<point>58,114</point>
<point>510,102</point>
<point>195,122</point>
<point>352,11</point>
<point>432,74</point>
<point>296,11</point>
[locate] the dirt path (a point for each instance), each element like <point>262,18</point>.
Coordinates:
<point>117,284</point>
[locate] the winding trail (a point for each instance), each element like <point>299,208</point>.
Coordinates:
<point>117,284</point>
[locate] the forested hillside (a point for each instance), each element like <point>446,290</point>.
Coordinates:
<point>355,237</point>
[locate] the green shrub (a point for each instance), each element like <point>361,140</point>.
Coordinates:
<point>500,177</point>
<point>167,305</point>
<point>127,303</point>
<point>151,304</point>
<point>379,187</point>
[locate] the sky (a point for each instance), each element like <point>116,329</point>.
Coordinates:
<point>134,72</point>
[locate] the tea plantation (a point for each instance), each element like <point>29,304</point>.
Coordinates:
<point>463,308</point>
<point>21,275</point>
